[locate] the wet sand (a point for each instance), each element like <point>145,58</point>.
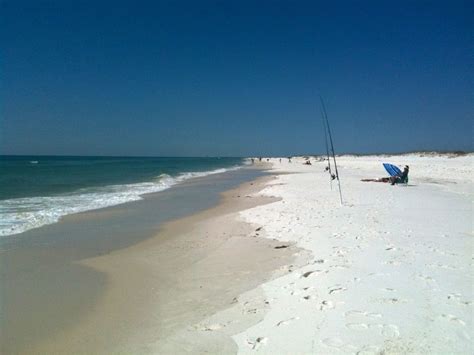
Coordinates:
<point>136,299</point>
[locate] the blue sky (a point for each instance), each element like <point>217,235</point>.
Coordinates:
<point>239,78</point>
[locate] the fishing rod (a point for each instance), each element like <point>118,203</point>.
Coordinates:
<point>328,168</point>
<point>332,146</point>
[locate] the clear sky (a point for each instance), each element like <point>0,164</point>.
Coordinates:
<point>235,78</point>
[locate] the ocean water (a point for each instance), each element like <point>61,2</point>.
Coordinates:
<point>39,190</point>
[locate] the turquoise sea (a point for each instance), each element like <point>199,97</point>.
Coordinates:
<point>39,190</point>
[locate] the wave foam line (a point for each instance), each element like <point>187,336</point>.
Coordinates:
<point>22,214</point>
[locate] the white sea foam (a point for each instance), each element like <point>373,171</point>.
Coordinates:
<point>21,214</point>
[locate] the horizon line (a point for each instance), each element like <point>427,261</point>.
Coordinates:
<point>457,152</point>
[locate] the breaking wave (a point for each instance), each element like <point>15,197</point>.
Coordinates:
<point>21,214</point>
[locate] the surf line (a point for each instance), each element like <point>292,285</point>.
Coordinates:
<point>327,132</point>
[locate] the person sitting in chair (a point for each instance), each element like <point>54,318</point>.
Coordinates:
<point>400,179</point>
<point>396,179</point>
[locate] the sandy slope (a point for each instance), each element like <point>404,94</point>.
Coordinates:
<point>391,271</point>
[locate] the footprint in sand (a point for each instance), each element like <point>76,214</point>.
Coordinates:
<point>212,327</point>
<point>312,272</point>
<point>357,326</point>
<point>456,297</point>
<point>442,266</point>
<point>295,293</point>
<point>388,289</point>
<point>360,320</point>
<point>378,327</point>
<point>340,253</point>
<point>378,274</point>
<point>340,266</point>
<point>338,344</point>
<point>369,350</point>
<point>392,300</point>
<point>287,321</point>
<point>336,289</point>
<point>324,305</point>
<point>390,331</point>
<point>392,262</point>
<point>333,342</point>
<point>356,313</point>
<point>429,281</point>
<point>336,235</point>
<point>255,344</point>
<point>436,250</point>
<point>453,318</point>
<point>251,311</point>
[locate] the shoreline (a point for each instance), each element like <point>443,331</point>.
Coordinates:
<point>136,307</point>
<point>214,257</point>
<point>279,266</point>
<point>55,206</point>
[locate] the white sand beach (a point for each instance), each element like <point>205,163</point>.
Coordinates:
<point>391,270</point>
<point>277,266</point>
<point>165,188</point>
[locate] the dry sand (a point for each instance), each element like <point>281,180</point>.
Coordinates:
<point>392,269</point>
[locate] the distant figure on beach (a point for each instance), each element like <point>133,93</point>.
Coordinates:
<point>307,162</point>
<point>253,160</point>
<point>397,179</point>
<point>260,159</point>
<point>289,159</point>
<point>280,160</point>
